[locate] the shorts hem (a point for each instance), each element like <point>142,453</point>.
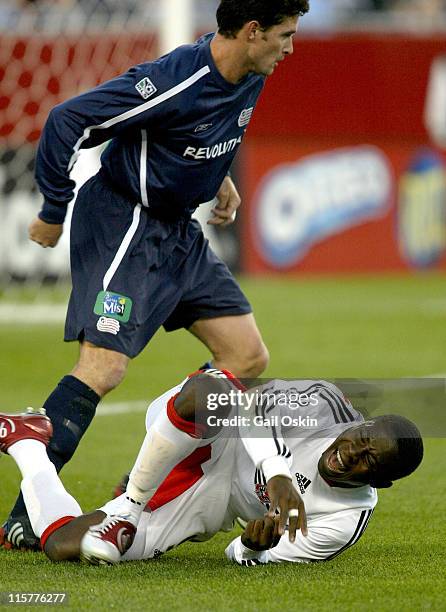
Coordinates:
<point>211,314</point>
<point>100,343</point>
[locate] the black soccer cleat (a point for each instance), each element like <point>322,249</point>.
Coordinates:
<point>17,534</point>
<point>122,486</point>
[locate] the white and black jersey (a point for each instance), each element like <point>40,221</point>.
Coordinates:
<point>299,432</point>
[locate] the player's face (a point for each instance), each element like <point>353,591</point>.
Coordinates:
<point>271,46</point>
<point>356,455</point>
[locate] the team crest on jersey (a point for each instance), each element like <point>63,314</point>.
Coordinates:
<point>113,306</point>
<point>245,116</point>
<point>302,482</point>
<point>262,493</point>
<point>146,88</point>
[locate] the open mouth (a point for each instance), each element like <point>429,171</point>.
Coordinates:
<point>335,462</point>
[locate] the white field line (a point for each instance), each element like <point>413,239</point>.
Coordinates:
<point>110,408</point>
<point>36,314</point>
<point>436,375</point>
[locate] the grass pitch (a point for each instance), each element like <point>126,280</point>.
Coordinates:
<point>342,327</point>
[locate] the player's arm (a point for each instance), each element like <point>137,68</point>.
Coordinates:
<point>328,536</point>
<point>88,120</point>
<point>269,453</point>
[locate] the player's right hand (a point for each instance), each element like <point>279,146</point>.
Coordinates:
<point>284,496</point>
<point>261,534</point>
<point>45,234</point>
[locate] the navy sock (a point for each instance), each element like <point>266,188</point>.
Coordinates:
<point>71,408</point>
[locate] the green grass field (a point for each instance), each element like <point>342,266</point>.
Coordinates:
<point>339,327</point>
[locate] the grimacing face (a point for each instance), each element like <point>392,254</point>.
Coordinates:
<point>271,46</point>
<point>357,454</point>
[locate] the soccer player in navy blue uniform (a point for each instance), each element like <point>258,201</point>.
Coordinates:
<point>138,261</point>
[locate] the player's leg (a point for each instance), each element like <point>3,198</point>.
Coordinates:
<point>177,432</point>
<point>102,222</point>
<point>24,438</point>
<point>235,343</point>
<point>63,541</point>
<point>71,408</point>
<point>191,504</point>
<point>55,515</point>
<point>214,309</point>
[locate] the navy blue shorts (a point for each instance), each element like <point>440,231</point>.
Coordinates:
<point>132,273</point>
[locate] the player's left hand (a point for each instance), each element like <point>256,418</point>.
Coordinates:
<point>284,496</point>
<point>228,201</point>
<point>261,534</point>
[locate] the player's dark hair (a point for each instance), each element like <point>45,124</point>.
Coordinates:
<point>409,450</point>
<point>233,14</point>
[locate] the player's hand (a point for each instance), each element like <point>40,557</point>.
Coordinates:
<point>228,201</point>
<point>284,496</point>
<point>261,534</point>
<point>45,234</point>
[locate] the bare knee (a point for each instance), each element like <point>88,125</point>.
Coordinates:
<point>246,361</point>
<point>200,398</point>
<point>253,362</point>
<point>236,344</point>
<point>101,369</point>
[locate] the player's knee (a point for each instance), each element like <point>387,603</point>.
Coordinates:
<point>200,397</point>
<point>112,375</point>
<point>252,361</point>
<point>101,369</point>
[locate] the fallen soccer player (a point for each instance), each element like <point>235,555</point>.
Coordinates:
<point>302,473</point>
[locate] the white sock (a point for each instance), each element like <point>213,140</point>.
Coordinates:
<point>163,448</point>
<point>46,499</point>
<point>30,456</point>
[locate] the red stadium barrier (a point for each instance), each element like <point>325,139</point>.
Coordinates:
<point>339,171</point>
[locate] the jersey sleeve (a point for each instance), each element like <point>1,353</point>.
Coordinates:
<point>262,438</point>
<point>328,536</point>
<point>143,96</point>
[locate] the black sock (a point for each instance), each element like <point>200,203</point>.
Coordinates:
<point>71,408</point>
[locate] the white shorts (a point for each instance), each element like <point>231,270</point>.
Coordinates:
<point>197,513</point>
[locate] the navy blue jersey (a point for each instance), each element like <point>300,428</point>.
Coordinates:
<point>174,127</point>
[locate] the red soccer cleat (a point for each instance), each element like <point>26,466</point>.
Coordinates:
<point>104,544</point>
<point>33,425</point>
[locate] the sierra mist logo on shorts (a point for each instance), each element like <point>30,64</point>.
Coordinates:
<point>146,88</point>
<point>113,305</point>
